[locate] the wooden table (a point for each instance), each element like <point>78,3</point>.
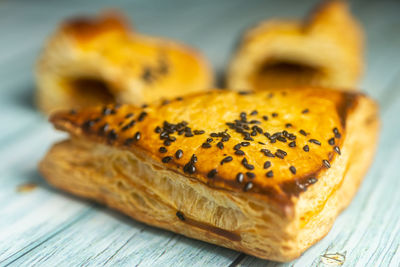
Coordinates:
<point>42,226</point>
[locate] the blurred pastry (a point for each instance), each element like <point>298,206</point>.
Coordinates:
<point>325,49</point>
<point>264,173</point>
<point>99,60</point>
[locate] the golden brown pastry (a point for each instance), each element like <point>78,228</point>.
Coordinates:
<point>264,173</point>
<point>99,60</point>
<point>325,49</point>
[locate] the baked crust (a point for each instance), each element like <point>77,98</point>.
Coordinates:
<point>325,49</point>
<point>272,216</point>
<point>99,60</point>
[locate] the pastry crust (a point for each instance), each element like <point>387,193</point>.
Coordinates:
<point>100,60</point>
<point>137,167</point>
<point>325,49</point>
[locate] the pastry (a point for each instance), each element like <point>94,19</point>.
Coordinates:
<point>325,49</point>
<point>99,60</point>
<point>264,173</point>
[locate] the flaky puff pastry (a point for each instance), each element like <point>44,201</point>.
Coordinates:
<point>264,173</point>
<point>325,49</point>
<point>98,60</point>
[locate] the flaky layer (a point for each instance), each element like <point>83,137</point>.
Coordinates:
<point>99,60</point>
<point>326,49</point>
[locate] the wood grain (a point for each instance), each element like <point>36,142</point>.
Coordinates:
<point>45,227</point>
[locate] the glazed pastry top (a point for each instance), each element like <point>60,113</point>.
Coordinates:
<point>273,143</point>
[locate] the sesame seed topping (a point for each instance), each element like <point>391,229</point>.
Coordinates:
<point>314,141</point>
<point>305,111</point>
<point>157,129</point>
<point>226,159</point>
<point>248,186</point>
<point>288,125</point>
<point>245,143</point>
<point>212,173</point>
<point>104,128</point>
<point>127,116</point>
<point>337,150</point>
<point>269,174</point>
<point>292,169</point>
<point>331,141</point>
<point>254,112</point>
<point>198,132</point>
<point>166,159</point>
<point>326,163</point>
<point>112,135</point>
<point>306,148</point>
<point>240,177</point>
<point>265,118</point>
<point>267,164</point>
<point>206,145</point>
<point>280,153</point>
<point>239,152</point>
<point>237,147</point>
<point>162,150</point>
<point>220,145</point>
<point>178,154</point>
<point>336,132</point>
<point>180,216</point>
<point>142,115</point>
<point>312,180</point>
<point>209,140</point>
<point>274,114</point>
<point>250,175</point>
<point>303,132</point>
<point>292,144</point>
<point>189,168</point>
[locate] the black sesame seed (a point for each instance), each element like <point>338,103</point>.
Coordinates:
<point>265,118</point>
<point>220,145</point>
<point>167,143</point>
<point>178,154</point>
<point>162,150</point>
<point>306,148</point>
<point>206,145</point>
<point>303,132</point>
<point>239,152</point>
<point>237,147</point>
<point>166,159</point>
<point>106,111</point>
<point>248,138</point>
<point>243,116</point>
<point>157,129</point>
<point>288,125</point>
<point>249,166</point>
<point>292,144</point>
<point>87,125</point>
<point>189,168</point>
<point>250,175</point>
<point>281,138</point>
<point>269,174</point>
<point>180,215</point>
<point>292,169</point>
<point>314,141</point>
<point>198,132</point>
<point>142,115</point>
<point>337,150</point>
<point>104,128</point>
<point>112,135</point>
<point>189,134</point>
<point>280,153</point>
<point>128,115</point>
<point>254,112</point>
<point>312,180</point>
<point>305,111</point>
<point>274,114</point>
<point>255,122</point>
<point>226,159</point>
<point>209,140</point>
<point>326,163</point>
<point>245,143</point>
<point>212,173</point>
<point>240,177</point>
<point>248,186</point>
<point>331,141</point>
<point>267,164</point>
<point>193,159</point>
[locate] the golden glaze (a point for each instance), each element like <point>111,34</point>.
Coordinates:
<point>98,60</point>
<point>325,49</point>
<point>210,112</point>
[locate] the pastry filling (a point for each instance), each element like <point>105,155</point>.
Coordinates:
<point>86,91</point>
<point>279,74</point>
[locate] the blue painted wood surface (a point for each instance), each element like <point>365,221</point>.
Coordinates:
<point>48,228</point>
